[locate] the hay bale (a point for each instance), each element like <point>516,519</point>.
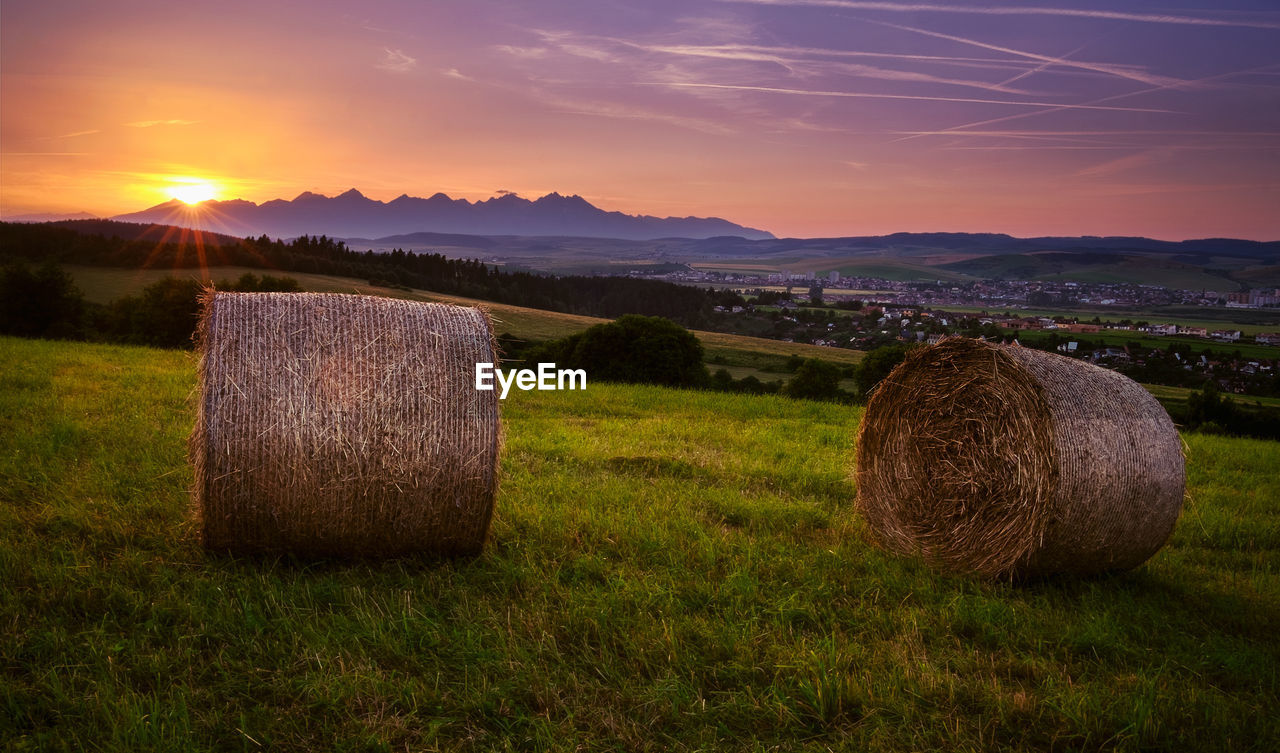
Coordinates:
<point>342,425</point>
<point>1004,461</point>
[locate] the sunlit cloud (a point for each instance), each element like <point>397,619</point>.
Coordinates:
<point>1122,164</point>
<point>396,61</point>
<point>521,52</point>
<point>76,134</point>
<point>572,44</point>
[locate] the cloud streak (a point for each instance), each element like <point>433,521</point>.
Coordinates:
<point>1112,98</point>
<point>921,97</point>
<point>629,112</point>
<point>1120,71</point>
<point>154,123</point>
<point>396,61</point>
<point>794,63</point>
<point>76,134</point>
<point>1005,10</point>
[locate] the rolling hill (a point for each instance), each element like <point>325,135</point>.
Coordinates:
<point>1216,264</point>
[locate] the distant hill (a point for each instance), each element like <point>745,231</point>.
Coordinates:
<point>132,231</point>
<point>1215,264</point>
<point>50,217</point>
<point>352,214</point>
<point>925,244</point>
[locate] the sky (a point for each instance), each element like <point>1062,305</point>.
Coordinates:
<point>807,118</point>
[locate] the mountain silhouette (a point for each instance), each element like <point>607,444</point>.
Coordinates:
<point>352,214</point>
<point>51,217</point>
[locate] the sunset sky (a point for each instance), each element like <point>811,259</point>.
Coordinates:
<point>802,117</point>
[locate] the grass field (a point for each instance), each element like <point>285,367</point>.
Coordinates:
<point>1187,316</point>
<point>667,570</point>
<point>1118,339</point>
<point>1180,394</point>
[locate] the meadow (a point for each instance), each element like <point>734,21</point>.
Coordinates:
<point>667,570</point>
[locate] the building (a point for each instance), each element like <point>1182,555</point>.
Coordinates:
<point>1080,327</point>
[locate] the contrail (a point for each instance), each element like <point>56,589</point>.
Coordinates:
<point>1001,10</point>
<point>854,69</point>
<point>766,50</point>
<point>1147,132</point>
<point>1120,71</point>
<point>866,95</point>
<point>1039,68</point>
<point>1152,90</point>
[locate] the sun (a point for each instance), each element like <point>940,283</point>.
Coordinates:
<point>192,190</point>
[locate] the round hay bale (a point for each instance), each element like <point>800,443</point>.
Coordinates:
<point>1004,461</point>
<point>343,425</point>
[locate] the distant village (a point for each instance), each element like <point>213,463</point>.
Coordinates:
<point>864,313</point>
<point>987,293</point>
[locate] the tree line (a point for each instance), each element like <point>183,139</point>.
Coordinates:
<point>608,297</point>
<point>45,302</point>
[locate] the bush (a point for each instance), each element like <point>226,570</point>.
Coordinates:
<point>641,349</point>
<point>163,315</point>
<point>44,303</point>
<point>1208,411</point>
<point>722,380</point>
<point>815,380</point>
<point>876,366</point>
<point>251,283</point>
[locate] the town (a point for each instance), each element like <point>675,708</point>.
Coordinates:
<point>995,293</point>
<point>864,313</point>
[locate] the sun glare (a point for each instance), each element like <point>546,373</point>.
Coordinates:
<point>192,191</point>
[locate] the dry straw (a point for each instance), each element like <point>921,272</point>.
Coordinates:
<point>1004,461</point>
<point>341,425</point>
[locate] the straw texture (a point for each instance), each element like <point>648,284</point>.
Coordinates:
<point>1003,461</point>
<point>340,425</point>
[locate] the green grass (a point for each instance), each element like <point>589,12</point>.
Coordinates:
<point>1180,394</point>
<point>1188,316</point>
<point>667,570</point>
<point>1119,339</point>
<point>891,269</point>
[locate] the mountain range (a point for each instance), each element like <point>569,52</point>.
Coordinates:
<point>353,214</point>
